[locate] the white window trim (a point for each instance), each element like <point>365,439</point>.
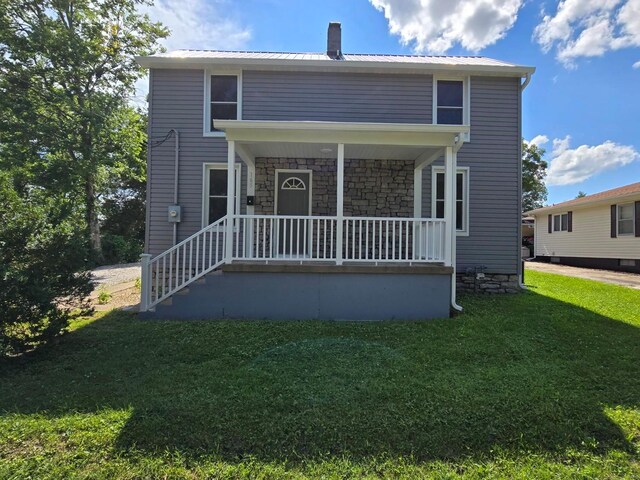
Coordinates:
<point>277,186</point>
<point>633,220</point>
<point>206,127</point>
<point>553,222</point>
<point>466,99</point>
<point>465,208</point>
<point>205,187</point>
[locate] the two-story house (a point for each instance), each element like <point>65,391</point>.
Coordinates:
<point>329,185</point>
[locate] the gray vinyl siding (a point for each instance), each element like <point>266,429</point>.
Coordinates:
<point>337,97</point>
<point>493,159</point>
<point>493,154</point>
<point>176,102</point>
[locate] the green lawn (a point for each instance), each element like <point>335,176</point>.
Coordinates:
<point>544,384</point>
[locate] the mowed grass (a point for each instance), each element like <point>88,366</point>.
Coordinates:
<point>544,384</point>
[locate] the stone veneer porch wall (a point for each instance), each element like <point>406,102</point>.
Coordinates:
<point>373,188</point>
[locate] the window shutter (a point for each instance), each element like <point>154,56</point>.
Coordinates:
<point>614,221</point>
<point>550,223</point>
<point>569,221</point>
<point>637,219</point>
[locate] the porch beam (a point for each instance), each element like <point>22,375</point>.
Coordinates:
<point>419,139</point>
<point>340,203</point>
<point>231,186</point>
<point>427,158</point>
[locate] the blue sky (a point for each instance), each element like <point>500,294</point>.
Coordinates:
<point>585,86</point>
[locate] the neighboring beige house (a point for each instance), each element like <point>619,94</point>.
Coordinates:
<point>597,231</point>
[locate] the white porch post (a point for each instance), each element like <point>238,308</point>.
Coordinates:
<point>231,186</point>
<point>340,203</point>
<point>417,192</point>
<point>145,281</point>
<point>449,204</point>
<point>454,234</point>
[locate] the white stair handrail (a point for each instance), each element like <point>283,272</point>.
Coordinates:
<point>182,264</point>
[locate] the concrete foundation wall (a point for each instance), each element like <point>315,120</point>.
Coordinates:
<point>300,296</point>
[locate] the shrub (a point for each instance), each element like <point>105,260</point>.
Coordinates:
<point>42,257</point>
<point>103,296</point>
<point>118,249</point>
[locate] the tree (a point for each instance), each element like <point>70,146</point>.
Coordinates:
<point>123,206</point>
<point>581,194</point>
<point>41,253</point>
<point>66,70</point>
<point>534,170</point>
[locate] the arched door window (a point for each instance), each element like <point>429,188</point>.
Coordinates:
<point>293,183</point>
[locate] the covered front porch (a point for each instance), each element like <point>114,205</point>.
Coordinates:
<point>349,220</point>
<point>325,204</point>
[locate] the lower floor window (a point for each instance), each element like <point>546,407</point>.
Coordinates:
<point>215,192</point>
<point>626,213</point>
<point>561,222</point>
<point>462,197</point>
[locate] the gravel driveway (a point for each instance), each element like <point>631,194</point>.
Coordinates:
<point>109,275</point>
<point>631,280</point>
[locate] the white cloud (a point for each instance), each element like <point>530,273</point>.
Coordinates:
<point>434,26</point>
<point>574,165</point>
<point>195,24</point>
<point>539,140</point>
<point>198,24</point>
<point>637,64</point>
<point>589,28</point>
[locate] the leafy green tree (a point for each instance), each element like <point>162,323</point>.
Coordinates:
<point>123,210</point>
<point>534,171</point>
<point>41,253</point>
<point>67,69</point>
<point>581,194</point>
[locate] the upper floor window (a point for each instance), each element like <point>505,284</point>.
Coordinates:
<point>451,101</point>
<point>626,217</point>
<point>223,100</point>
<point>462,197</point>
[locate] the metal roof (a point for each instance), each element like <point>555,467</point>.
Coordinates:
<point>349,57</point>
<point>347,60</point>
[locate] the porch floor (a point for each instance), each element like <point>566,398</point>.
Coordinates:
<point>275,266</point>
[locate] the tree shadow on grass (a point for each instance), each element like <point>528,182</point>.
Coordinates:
<point>516,373</point>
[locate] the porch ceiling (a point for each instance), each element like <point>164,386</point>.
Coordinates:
<point>329,150</point>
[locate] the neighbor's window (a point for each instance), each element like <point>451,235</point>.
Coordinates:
<point>626,213</point>
<point>224,99</point>
<point>449,102</point>
<point>462,210</point>
<point>561,222</point>
<point>216,192</point>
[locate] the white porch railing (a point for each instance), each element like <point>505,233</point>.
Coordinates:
<point>414,240</point>
<point>295,238</point>
<point>291,238</point>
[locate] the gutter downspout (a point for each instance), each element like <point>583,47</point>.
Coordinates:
<point>175,180</point>
<point>458,308</point>
<point>527,79</point>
